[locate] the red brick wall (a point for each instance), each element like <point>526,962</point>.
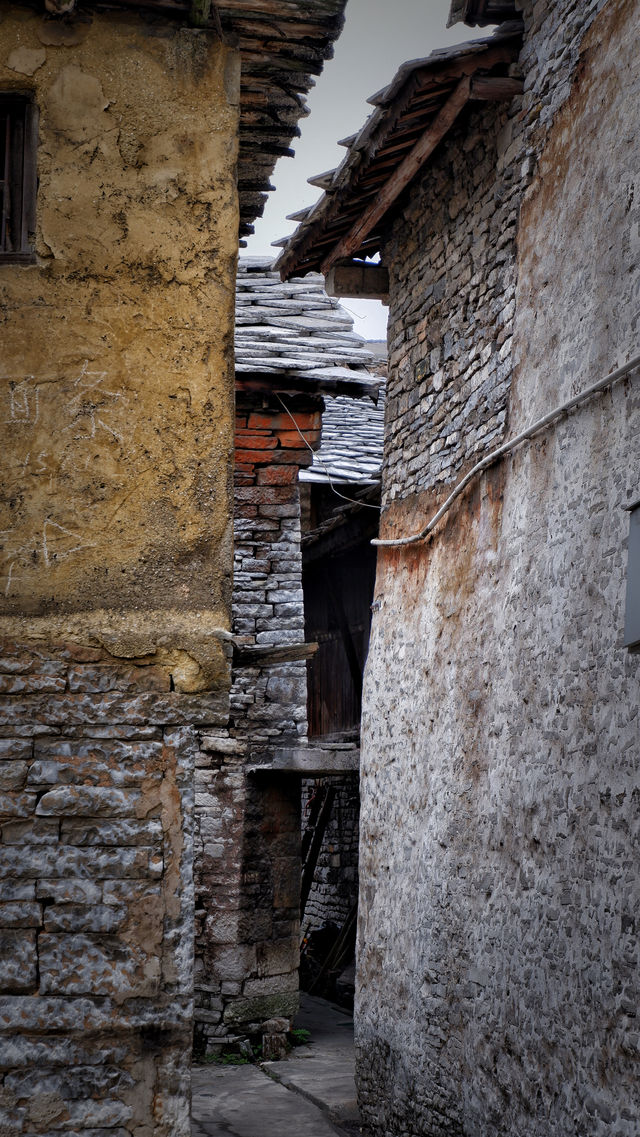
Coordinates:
<point>248,870</point>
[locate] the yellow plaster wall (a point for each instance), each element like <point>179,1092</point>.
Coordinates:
<point>116,380</point>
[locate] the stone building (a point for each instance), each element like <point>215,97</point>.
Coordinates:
<point>136,140</point>
<point>340,495</point>
<point>498,949</point>
<point>295,349</point>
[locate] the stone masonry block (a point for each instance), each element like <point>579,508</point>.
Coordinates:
<point>84,918</point>
<point>17,804</point>
<point>68,891</point>
<point>270,985</point>
<point>104,763</point>
<point>120,832</point>
<point>11,890</point>
<point>13,775</point>
<point>18,961</point>
<point>96,965</point>
<point>262,1007</point>
<point>279,957</point>
<point>33,831</point>
<point>64,862</point>
<point>20,914</point>
<point>88,800</point>
<point>15,749</point>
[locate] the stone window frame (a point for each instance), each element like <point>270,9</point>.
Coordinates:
<point>18,176</point>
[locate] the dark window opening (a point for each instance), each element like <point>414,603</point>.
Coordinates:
<point>338,573</point>
<point>18,177</point>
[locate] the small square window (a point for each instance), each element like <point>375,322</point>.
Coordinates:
<point>18,177</point>
<point>632,612</point>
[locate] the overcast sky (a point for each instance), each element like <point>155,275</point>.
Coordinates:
<point>378,36</point>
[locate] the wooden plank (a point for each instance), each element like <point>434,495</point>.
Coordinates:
<point>405,173</point>
<point>370,282</point>
<point>315,845</point>
<point>489,87</point>
<point>267,655</point>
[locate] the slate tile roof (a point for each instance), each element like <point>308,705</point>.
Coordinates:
<point>297,329</point>
<point>294,327</point>
<point>410,116</point>
<point>351,446</point>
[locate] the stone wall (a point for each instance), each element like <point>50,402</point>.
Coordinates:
<point>499,825</point>
<point>97,892</point>
<point>248,859</point>
<point>117,402</point>
<point>454,298</point>
<point>334,890</point>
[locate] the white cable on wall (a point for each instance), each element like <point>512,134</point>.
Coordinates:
<point>552,416</point>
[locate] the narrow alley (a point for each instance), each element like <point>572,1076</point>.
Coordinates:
<point>311,1092</point>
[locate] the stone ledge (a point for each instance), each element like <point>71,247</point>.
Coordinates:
<point>310,760</point>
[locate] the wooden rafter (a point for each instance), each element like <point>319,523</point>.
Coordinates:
<point>405,173</point>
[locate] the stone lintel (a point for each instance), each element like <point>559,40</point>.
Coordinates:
<point>311,761</point>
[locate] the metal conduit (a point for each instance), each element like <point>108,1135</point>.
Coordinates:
<point>552,416</point>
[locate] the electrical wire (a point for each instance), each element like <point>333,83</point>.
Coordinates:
<point>510,444</point>
<point>352,500</point>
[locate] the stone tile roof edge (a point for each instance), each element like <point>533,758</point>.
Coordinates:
<point>320,477</point>
<point>345,173</point>
<point>351,445</point>
<point>481,12</point>
<point>283,44</point>
<point>319,367</point>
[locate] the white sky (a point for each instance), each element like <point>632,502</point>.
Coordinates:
<point>378,36</point>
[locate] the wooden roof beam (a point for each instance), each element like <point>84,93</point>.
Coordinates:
<point>404,174</point>
<point>480,87</point>
<point>358,279</point>
<point>489,87</point>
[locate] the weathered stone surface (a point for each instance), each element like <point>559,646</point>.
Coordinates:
<point>45,861</point>
<point>17,805</point>
<point>65,891</point>
<point>13,775</point>
<point>81,918</point>
<point>20,915</point>
<point>87,800</point>
<point>17,890</point>
<point>274,1047</point>
<point>111,899</point>
<point>101,965</point>
<point>258,1009</point>
<point>33,831</point>
<point>36,1013</point>
<point>500,741</point>
<point>95,763</point>
<point>121,833</point>
<point>311,760</point>
<point>18,960</point>
<point>15,749</point>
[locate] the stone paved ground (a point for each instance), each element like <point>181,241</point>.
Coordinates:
<point>310,1094</point>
